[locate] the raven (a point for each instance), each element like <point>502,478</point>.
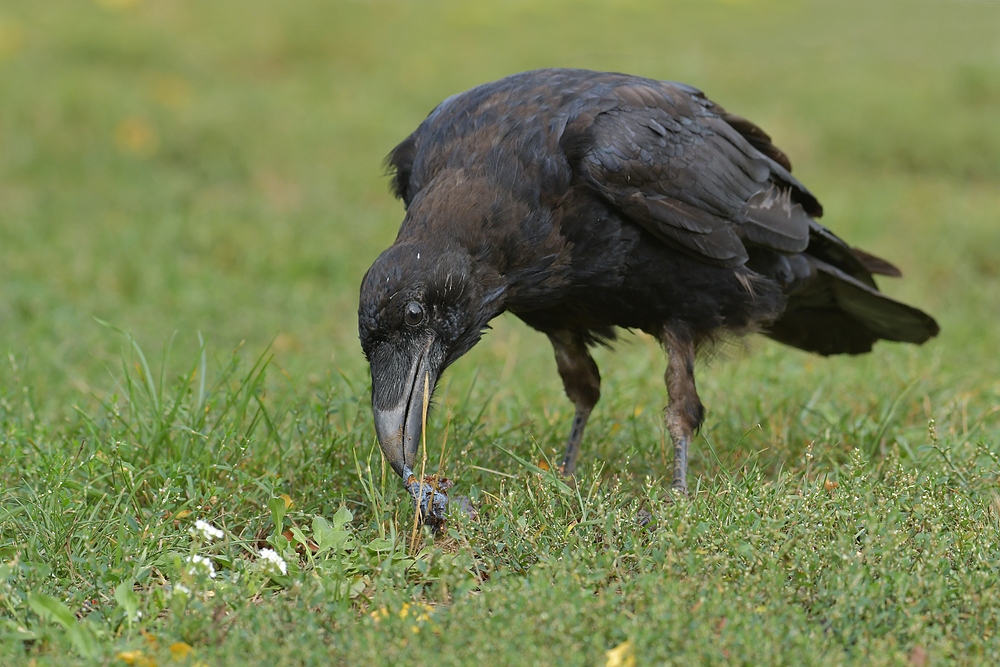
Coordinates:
<point>584,201</point>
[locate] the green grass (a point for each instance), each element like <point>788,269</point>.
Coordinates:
<point>189,195</point>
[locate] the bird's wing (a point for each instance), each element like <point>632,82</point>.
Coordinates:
<point>692,174</point>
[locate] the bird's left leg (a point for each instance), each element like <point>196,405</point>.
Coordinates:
<point>582,382</point>
<point>684,412</point>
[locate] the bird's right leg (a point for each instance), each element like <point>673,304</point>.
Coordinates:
<point>684,412</point>
<point>582,382</point>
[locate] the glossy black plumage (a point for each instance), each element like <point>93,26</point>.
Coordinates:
<point>584,201</point>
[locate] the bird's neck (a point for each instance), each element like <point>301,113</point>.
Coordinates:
<point>498,227</point>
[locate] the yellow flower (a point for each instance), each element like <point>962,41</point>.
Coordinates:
<point>136,136</point>
<point>621,655</point>
<point>180,650</point>
<point>136,658</point>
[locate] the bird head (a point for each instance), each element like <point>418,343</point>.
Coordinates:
<point>421,308</point>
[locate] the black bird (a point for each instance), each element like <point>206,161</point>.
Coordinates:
<point>584,201</point>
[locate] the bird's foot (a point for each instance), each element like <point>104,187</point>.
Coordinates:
<point>430,498</point>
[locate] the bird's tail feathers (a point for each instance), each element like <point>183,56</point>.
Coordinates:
<point>834,313</point>
<point>890,319</point>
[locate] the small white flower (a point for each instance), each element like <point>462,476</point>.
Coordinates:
<point>200,566</point>
<point>271,561</point>
<point>205,531</point>
<point>180,589</point>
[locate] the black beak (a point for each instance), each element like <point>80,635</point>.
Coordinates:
<point>402,382</point>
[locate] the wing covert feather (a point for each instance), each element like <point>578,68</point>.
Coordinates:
<point>707,182</point>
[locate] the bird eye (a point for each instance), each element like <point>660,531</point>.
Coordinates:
<point>414,314</point>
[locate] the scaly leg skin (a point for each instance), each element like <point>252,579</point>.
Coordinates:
<point>573,444</point>
<point>582,382</point>
<point>684,412</point>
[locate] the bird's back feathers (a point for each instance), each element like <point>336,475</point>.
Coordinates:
<point>625,201</point>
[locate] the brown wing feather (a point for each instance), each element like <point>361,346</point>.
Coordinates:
<point>757,137</point>
<point>876,265</point>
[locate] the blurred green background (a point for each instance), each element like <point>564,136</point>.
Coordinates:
<point>179,166</point>
<point>174,167</point>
